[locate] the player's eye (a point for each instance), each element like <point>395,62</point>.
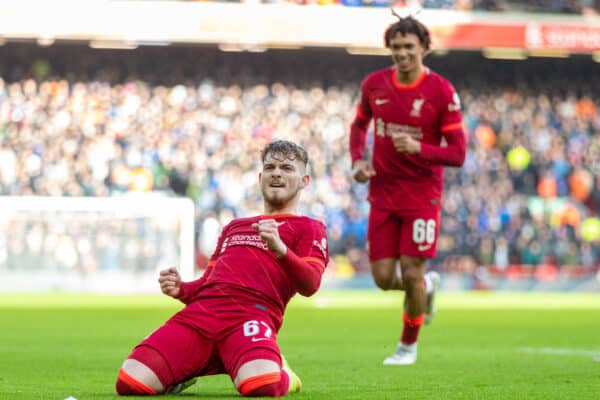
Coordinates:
<point>402,46</point>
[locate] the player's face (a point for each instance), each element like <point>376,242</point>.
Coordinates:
<point>407,52</point>
<point>281,179</point>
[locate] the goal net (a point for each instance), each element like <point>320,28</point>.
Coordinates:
<point>92,244</point>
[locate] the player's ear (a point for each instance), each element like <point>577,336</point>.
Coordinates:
<point>305,181</point>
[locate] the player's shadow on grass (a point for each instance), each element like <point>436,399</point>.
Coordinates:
<point>204,396</point>
<point>199,396</point>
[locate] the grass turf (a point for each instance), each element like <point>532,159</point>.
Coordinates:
<point>480,346</point>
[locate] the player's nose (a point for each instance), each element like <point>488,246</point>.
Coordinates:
<point>276,172</point>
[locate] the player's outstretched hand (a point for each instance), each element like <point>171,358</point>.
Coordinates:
<point>268,229</point>
<point>362,171</point>
<point>170,282</point>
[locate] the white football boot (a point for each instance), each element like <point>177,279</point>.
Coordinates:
<point>404,355</point>
<point>180,387</point>
<point>430,308</point>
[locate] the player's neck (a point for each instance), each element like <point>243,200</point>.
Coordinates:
<point>409,77</point>
<point>289,208</point>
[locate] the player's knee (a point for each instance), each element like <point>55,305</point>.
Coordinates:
<point>412,278</point>
<point>384,279</point>
<point>383,282</point>
<point>143,373</point>
<point>271,384</point>
<point>384,273</point>
<point>124,388</point>
<point>127,385</point>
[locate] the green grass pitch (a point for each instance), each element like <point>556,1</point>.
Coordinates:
<point>480,346</point>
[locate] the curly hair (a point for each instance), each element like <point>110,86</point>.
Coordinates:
<point>289,150</point>
<point>407,25</point>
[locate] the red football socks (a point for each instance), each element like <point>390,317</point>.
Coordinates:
<point>410,330</point>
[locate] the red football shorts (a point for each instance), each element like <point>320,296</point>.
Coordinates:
<point>205,339</point>
<point>394,233</point>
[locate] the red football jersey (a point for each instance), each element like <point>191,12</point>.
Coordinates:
<point>243,262</point>
<point>426,110</point>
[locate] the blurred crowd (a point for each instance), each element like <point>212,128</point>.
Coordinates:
<point>586,7</point>
<point>192,121</point>
<point>542,6</point>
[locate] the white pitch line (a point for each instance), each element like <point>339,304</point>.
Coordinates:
<point>561,352</point>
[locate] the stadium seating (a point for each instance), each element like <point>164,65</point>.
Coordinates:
<point>192,121</point>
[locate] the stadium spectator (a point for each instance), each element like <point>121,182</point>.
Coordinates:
<point>89,122</point>
<point>413,109</point>
<point>234,311</point>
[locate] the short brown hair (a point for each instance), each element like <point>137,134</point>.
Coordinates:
<point>287,149</point>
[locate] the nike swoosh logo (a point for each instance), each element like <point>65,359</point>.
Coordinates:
<point>424,247</point>
<point>379,102</point>
<point>254,339</point>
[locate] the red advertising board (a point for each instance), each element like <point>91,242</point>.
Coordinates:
<point>525,35</point>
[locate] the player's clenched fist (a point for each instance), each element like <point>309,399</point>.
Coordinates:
<point>404,143</point>
<point>170,282</point>
<point>268,229</point>
<point>362,171</point>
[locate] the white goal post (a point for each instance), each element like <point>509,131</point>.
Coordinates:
<point>93,244</point>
